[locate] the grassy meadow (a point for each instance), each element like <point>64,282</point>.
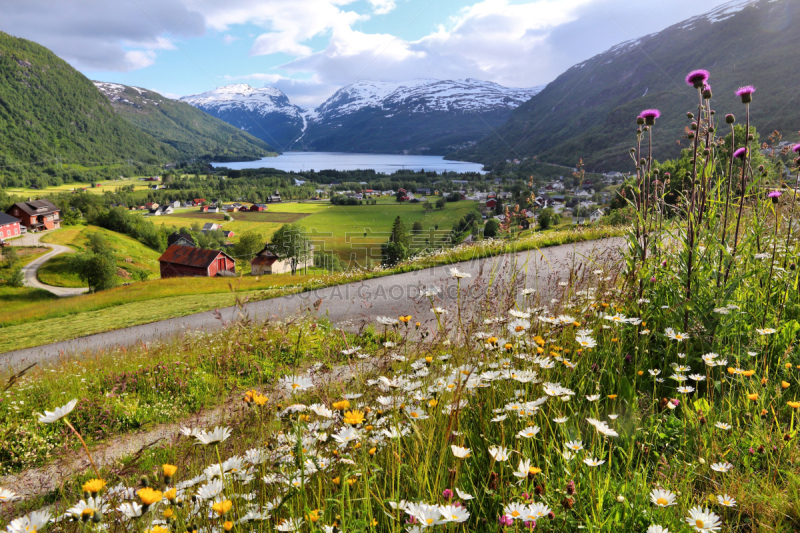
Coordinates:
<point>135,261</point>
<point>105,186</point>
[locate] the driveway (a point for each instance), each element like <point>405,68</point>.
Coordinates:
<point>355,304</point>
<point>31,269</point>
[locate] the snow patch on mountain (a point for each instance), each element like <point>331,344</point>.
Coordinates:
<point>423,95</point>
<point>241,96</point>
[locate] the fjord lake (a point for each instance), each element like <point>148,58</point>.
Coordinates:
<point>382,163</point>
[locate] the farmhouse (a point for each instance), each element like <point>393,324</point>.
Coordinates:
<point>9,226</point>
<point>267,262</point>
<point>258,207</point>
<point>36,215</point>
<point>210,226</point>
<point>182,261</point>
<point>181,239</point>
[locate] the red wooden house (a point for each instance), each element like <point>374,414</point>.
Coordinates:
<point>36,215</point>
<point>199,201</point>
<point>9,226</point>
<point>491,202</point>
<point>178,261</point>
<point>258,207</point>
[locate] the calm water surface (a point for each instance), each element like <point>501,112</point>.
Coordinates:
<point>384,163</point>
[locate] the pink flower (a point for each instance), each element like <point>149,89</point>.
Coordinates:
<point>697,78</point>
<point>740,153</point>
<point>505,520</point>
<point>746,93</point>
<point>447,494</point>
<point>796,149</point>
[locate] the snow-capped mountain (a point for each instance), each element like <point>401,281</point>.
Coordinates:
<point>424,96</point>
<point>419,116</point>
<point>423,116</point>
<point>263,112</point>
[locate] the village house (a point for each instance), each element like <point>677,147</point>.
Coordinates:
<point>184,261</point>
<point>9,226</point>
<point>199,201</point>
<point>228,234</point>
<point>258,207</point>
<point>181,239</point>
<point>210,226</point>
<point>36,215</point>
<point>266,262</point>
<point>162,210</point>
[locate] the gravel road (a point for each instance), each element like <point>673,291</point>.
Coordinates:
<point>31,269</point>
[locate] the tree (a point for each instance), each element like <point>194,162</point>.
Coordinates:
<point>290,243</point>
<point>11,257</point>
<point>548,217</point>
<point>491,229</point>
<point>97,270</point>
<point>398,248</point>
<point>250,243</point>
<point>440,203</point>
<point>416,227</point>
<point>17,278</point>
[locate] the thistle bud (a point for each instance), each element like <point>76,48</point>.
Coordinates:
<point>640,121</point>
<point>730,119</point>
<point>690,135</point>
<point>712,129</point>
<point>750,137</point>
<point>707,93</point>
<point>643,161</point>
<point>706,151</point>
<point>633,150</point>
<point>694,126</point>
<point>690,115</point>
<point>761,168</point>
<point>571,487</point>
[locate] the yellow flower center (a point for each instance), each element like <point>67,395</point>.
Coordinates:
<point>699,523</point>
<point>295,385</point>
<point>429,520</point>
<point>662,501</point>
<point>515,514</point>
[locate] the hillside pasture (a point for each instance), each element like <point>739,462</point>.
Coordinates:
<point>133,258</point>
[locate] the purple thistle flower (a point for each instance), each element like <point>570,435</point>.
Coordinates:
<point>740,153</point>
<point>774,194</point>
<point>650,116</point>
<point>746,93</point>
<point>796,149</point>
<point>697,78</point>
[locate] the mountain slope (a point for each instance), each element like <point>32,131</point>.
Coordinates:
<point>265,113</point>
<point>48,110</point>
<point>589,111</point>
<point>420,116</point>
<point>187,129</point>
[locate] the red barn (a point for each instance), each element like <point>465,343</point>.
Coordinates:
<point>491,202</point>
<point>36,215</point>
<point>258,207</point>
<point>9,226</point>
<point>180,261</point>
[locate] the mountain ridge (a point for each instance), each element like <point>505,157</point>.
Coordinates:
<point>429,115</point>
<point>589,111</point>
<point>186,128</point>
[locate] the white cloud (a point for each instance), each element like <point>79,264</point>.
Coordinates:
<point>515,44</point>
<point>382,7</point>
<point>102,35</point>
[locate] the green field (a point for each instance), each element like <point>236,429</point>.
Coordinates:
<point>266,222</point>
<point>341,229</point>
<point>133,258</point>
<point>105,186</point>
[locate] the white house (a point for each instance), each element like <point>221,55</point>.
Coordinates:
<point>267,262</point>
<point>210,226</point>
<point>597,215</point>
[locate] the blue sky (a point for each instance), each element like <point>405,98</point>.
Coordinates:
<point>310,48</point>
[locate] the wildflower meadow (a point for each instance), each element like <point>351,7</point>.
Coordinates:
<point>655,391</point>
